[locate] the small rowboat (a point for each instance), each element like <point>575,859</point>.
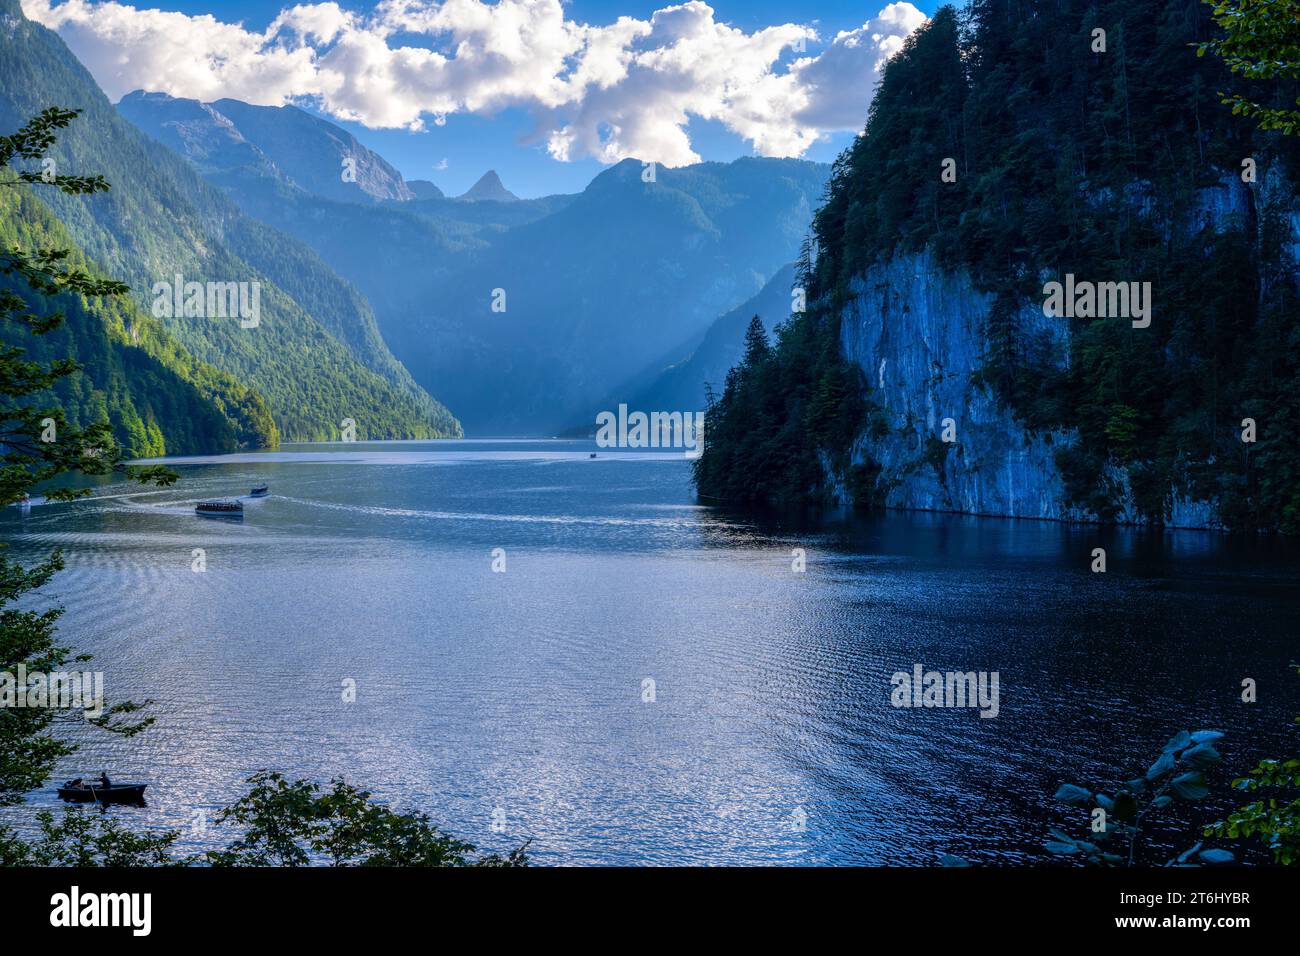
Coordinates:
<point>113,793</point>
<point>221,508</point>
<point>260,491</point>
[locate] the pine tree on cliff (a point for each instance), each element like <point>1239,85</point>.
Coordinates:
<point>1088,138</point>
<point>757,349</point>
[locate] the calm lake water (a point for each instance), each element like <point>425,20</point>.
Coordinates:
<point>520,694</point>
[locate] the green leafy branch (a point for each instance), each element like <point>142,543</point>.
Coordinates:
<point>1122,819</point>
<point>32,141</point>
<point>1261,41</point>
<point>1274,822</point>
<point>294,823</point>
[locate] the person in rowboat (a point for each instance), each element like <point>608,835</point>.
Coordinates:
<point>104,782</point>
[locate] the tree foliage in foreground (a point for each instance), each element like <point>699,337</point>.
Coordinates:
<point>1260,41</point>
<point>38,445</point>
<point>84,837</point>
<point>296,823</point>
<point>282,823</point>
<point>1122,819</point>
<point>1274,819</point>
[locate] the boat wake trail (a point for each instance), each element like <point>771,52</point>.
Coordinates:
<point>678,522</point>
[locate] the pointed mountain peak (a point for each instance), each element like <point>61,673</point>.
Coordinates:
<point>489,187</point>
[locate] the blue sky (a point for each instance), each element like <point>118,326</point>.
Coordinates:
<point>469,141</point>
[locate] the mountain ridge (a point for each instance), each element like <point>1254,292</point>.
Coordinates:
<point>161,219</point>
<point>307,151</point>
<point>683,385</point>
<point>681,250</point>
<point>429,267</point>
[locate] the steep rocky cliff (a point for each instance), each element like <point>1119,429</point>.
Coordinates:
<point>918,333</point>
<point>949,361</point>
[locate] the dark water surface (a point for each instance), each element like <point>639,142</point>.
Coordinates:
<point>522,692</point>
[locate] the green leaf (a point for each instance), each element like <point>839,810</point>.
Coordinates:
<point>1060,848</point>
<point>1164,765</point>
<point>1202,755</point>
<point>1074,796</point>
<point>1191,786</point>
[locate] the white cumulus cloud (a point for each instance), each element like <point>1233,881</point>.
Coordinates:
<point>628,88</point>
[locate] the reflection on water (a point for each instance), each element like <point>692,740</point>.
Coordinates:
<point>523,690</point>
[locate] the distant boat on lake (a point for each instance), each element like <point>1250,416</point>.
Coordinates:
<point>78,791</point>
<point>260,491</point>
<point>220,508</point>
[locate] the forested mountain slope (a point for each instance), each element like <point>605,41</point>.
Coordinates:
<point>158,398</point>
<point>1071,162</point>
<point>307,356</point>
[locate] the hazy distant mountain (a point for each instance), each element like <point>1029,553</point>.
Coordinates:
<point>681,386</point>
<point>198,130</point>
<point>278,141</point>
<point>423,189</point>
<point>595,286</point>
<point>204,135</point>
<point>488,188</point>
<point>485,218</point>
<point>312,357</point>
<point>386,249</point>
<point>377,245</point>
<point>623,272</point>
<point>320,157</point>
